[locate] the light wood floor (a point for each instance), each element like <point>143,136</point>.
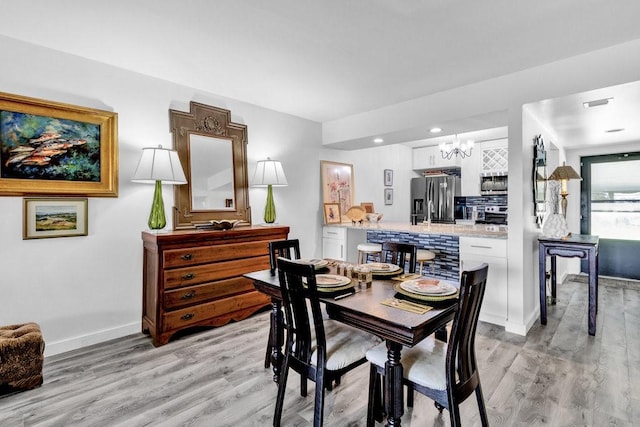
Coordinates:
<point>556,376</point>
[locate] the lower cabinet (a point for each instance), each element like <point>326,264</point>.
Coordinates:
<point>194,278</point>
<point>341,243</point>
<point>475,251</point>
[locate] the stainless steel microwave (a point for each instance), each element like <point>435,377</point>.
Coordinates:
<point>493,183</point>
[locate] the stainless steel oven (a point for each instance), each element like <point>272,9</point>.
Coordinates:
<point>494,215</point>
<point>493,183</point>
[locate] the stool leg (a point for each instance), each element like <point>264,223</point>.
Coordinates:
<point>420,268</point>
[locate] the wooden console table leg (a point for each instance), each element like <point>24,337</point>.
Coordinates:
<point>593,291</point>
<point>554,282</point>
<point>393,372</point>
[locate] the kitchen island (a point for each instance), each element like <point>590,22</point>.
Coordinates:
<point>443,239</point>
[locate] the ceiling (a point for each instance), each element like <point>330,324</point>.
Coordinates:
<point>329,59</point>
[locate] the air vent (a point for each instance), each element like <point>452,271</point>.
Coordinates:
<point>596,103</point>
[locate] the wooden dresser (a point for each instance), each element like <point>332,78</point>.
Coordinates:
<point>194,278</point>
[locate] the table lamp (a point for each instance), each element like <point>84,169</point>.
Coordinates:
<point>158,166</point>
<point>563,174</point>
<point>269,173</point>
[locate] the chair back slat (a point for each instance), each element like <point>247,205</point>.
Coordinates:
<point>400,254</point>
<point>462,370</point>
<point>289,249</point>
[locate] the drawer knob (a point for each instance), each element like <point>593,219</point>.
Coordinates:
<point>187,316</point>
<point>187,257</point>
<point>188,276</point>
<point>189,295</point>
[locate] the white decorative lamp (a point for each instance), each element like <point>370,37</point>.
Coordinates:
<point>269,173</point>
<point>159,166</point>
<point>462,149</point>
<point>563,174</point>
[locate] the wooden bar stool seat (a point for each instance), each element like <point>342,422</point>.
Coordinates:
<point>366,249</point>
<point>423,256</point>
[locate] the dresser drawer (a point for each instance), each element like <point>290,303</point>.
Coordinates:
<point>203,312</point>
<point>174,258</point>
<point>211,272</point>
<point>197,294</point>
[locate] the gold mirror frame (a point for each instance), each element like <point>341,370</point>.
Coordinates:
<point>212,122</point>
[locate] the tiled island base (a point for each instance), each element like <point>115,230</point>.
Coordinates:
<point>446,248</point>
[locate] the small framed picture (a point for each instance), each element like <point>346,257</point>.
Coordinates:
<point>388,196</point>
<point>368,207</point>
<point>332,213</point>
<point>388,177</point>
<point>54,217</point>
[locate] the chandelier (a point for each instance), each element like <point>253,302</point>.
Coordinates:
<point>449,149</point>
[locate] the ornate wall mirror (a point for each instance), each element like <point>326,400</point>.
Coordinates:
<point>213,154</point>
<point>539,177</point>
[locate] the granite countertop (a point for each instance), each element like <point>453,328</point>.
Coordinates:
<point>476,230</point>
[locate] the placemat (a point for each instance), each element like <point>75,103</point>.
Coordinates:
<point>406,276</point>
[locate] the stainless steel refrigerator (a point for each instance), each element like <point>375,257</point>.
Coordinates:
<point>434,193</point>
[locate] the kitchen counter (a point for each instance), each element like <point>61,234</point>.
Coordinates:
<point>477,230</point>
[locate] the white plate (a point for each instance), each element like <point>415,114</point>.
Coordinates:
<point>428,287</point>
<point>316,262</point>
<point>381,267</point>
<point>331,280</point>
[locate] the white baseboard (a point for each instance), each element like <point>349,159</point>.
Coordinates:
<point>522,329</point>
<point>57,347</point>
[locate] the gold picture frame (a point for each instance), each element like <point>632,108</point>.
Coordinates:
<point>337,184</point>
<point>368,207</point>
<point>332,213</point>
<point>54,217</point>
<point>54,148</point>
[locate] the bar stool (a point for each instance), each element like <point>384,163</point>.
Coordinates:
<point>366,249</point>
<point>423,256</point>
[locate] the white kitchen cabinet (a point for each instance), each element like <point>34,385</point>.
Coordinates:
<point>341,243</point>
<point>495,156</point>
<point>470,170</point>
<point>431,158</point>
<point>475,251</point>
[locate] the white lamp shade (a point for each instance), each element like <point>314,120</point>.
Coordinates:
<point>159,164</point>
<point>269,172</point>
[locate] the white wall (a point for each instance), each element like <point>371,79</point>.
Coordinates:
<point>82,290</point>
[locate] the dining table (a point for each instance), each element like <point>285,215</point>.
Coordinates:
<point>364,307</point>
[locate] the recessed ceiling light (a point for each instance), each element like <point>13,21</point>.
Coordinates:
<point>435,130</point>
<point>614,130</point>
<point>378,140</point>
<point>596,102</point>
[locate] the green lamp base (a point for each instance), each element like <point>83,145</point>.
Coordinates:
<point>270,207</point>
<point>157,219</point>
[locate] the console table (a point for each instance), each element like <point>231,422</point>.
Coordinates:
<point>574,246</point>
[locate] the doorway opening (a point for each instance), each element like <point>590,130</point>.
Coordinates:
<point>610,209</point>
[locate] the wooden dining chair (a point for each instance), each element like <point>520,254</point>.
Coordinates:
<point>400,254</point>
<point>318,349</point>
<point>289,249</point>
<point>444,372</point>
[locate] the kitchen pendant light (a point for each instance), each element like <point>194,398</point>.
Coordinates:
<point>449,149</point>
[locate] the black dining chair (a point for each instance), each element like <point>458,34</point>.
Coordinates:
<point>400,254</point>
<point>444,372</point>
<point>289,249</point>
<point>318,349</point>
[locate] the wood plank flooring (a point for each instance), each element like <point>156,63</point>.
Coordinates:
<point>556,376</point>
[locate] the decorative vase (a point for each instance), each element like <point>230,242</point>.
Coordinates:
<point>157,219</point>
<point>555,226</point>
<point>270,207</point>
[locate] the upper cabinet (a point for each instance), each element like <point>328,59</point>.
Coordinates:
<point>495,156</point>
<point>431,158</point>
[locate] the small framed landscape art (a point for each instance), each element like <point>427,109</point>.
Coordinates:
<point>332,213</point>
<point>368,207</point>
<point>388,177</point>
<point>54,217</point>
<point>388,196</point>
<point>53,148</point>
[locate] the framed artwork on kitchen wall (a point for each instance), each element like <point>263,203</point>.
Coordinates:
<point>388,196</point>
<point>337,185</point>
<point>53,148</point>
<point>388,177</point>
